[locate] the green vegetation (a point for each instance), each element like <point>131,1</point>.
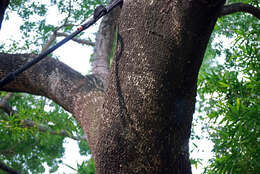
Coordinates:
<point>228,90</point>
<point>229,93</point>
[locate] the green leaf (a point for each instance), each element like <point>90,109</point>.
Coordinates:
<point>223,84</point>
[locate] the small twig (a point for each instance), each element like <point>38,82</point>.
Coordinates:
<point>44,128</point>
<point>56,34</point>
<point>81,41</point>
<point>53,37</point>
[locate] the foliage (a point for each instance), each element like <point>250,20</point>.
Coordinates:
<point>27,149</point>
<point>229,95</point>
<point>87,167</point>
<point>37,25</point>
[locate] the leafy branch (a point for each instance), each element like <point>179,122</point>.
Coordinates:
<point>26,123</point>
<point>43,128</point>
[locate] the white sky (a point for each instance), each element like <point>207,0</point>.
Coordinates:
<point>77,56</point>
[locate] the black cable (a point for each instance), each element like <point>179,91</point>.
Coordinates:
<point>98,13</point>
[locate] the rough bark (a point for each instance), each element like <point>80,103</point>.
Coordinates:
<point>151,93</point>
<point>49,78</point>
<point>142,123</point>
<point>81,96</point>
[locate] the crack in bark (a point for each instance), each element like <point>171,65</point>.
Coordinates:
<point>121,100</point>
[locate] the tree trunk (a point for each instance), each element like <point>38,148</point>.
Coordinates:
<point>142,122</point>
<point>151,93</point>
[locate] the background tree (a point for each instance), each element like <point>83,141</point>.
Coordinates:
<point>141,122</point>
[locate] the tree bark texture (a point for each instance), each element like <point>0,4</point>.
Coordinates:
<point>81,96</point>
<point>141,123</point>
<point>151,93</point>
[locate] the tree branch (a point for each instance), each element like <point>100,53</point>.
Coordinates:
<point>49,42</point>
<point>81,41</point>
<point>104,45</point>
<point>81,96</point>
<point>7,169</point>
<point>44,128</point>
<point>240,7</point>
<point>50,78</point>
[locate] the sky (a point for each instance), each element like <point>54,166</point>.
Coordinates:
<point>77,57</point>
